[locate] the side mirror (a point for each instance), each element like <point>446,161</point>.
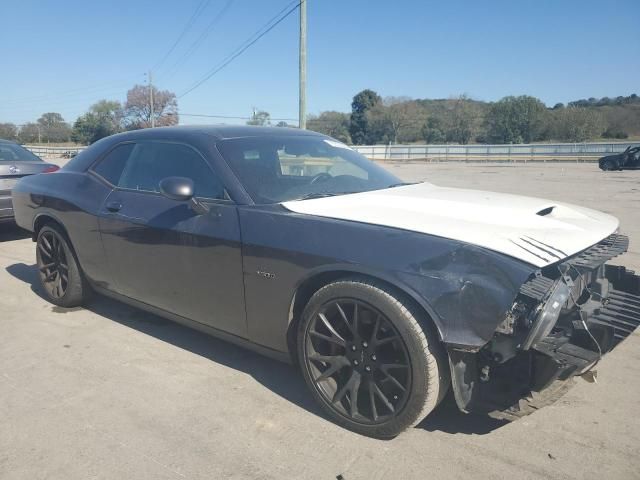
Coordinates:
<point>181,189</point>
<point>177,188</point>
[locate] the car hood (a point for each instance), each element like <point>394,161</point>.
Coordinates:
<point>537,231</point>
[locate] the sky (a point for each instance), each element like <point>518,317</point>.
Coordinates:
<point>64,55</point>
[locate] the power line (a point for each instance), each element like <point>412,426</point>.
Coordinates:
<point>199,9</point>
<point>68,93</point>
<point>230,117</point>
<point>195,45</point>
<point>245,46</point>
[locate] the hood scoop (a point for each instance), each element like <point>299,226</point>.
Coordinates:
<point>546,211</point>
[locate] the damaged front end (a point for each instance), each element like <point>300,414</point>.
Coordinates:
<point>561,323</point>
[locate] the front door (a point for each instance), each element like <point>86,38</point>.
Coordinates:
<point>162,252</point>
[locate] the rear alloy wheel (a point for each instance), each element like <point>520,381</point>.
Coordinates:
<point>58,269</point>
<point>367,360</point>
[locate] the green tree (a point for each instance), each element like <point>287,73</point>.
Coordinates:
<point>577,124</point>
<point>29,133</point>
<point>53,128</point>
<point>396,119</point>
<point>359,128</point>
<point>433,131</point>
<point>461,120</point>
<point>103,119</point>
<point>137,108</point>
<point>334,124</point>
<point>8,131</point>
<point>516,120</point>
<point>260,118</point>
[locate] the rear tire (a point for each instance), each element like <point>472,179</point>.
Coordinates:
<point>60,275</point>
<point>368,361</point>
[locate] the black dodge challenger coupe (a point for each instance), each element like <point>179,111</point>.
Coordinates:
<point>385,294</point>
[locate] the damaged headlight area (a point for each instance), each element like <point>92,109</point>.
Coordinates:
<point>561,323</point>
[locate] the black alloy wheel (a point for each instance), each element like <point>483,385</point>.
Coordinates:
<point>358,361</point>
<point>53,264</point>
<point>58,269</point>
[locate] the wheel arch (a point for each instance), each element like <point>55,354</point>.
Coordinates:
<point>45,218</point>
<point>319,278</point>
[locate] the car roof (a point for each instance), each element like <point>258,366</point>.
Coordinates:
<point>219,132</point>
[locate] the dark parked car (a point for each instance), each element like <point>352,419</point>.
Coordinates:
<point>16,162</point>
<point>629,159</point>
<point>385,294</point>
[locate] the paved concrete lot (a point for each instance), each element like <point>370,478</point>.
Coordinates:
<point>111,392</point>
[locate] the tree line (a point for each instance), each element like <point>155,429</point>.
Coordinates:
<point>103,118</point>
<point>463,120</point>
<point>373,120</point>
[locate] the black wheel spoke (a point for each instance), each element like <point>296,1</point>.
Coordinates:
<point>44,250</point>
<point>372,402</point>
<point>354,327</point>
<point>344,317</point>
<point>329,327</point>
<point>388,366</point>
<point>380,394</point>
<point>383,341</point>
<point>333,339</point>
<point>339,395</point>
<point>353,394</point>
<point>334,365</point>
<point>45,267</point>
<point>344,354</point>
<point>393,380</point>
<point>374,335</point>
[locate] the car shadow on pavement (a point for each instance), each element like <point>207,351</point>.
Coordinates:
<point>10,231</point>
<point>280,378</point>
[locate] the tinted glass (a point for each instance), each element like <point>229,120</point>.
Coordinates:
<point>151,162</point>
<point>277,169</point>
<point>10,152</point>
<point>111,166</point>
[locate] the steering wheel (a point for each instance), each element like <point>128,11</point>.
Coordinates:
<point>320,177</point>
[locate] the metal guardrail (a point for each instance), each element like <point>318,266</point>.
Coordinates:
<point>46,151</point>
<point>559,152</point>
<point>547,152</point>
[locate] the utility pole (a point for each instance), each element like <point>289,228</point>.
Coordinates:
<point>302,106</point>
<point>153,117</point>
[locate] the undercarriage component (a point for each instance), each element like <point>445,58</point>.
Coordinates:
<point>559,326</point>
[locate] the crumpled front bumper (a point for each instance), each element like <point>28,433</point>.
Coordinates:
<point>542,368</point>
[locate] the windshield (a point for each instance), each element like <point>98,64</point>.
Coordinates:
<point>10,152</point>
<point>277,169</point>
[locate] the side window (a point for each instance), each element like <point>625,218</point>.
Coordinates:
<point>150,162</point>
<point>111,166</point>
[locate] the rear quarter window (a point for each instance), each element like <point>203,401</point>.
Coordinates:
<point>112,165</point>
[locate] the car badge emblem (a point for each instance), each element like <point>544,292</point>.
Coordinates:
<point>13,169</point>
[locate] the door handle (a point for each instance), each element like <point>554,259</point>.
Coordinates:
<point>114,206</point>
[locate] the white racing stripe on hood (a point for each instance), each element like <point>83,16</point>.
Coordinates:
<point>538,231</point>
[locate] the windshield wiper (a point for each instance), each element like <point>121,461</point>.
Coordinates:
<point>309,196</point>
<point>402,184</point>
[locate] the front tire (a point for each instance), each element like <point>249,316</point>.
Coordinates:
<point>60,275</point>
<point>367,359</point>
<point>608,166</point>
